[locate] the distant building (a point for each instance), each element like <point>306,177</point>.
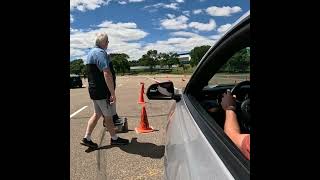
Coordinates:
<point>135,68</point>
<point>184,58</point>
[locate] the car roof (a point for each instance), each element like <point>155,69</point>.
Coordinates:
<point>244,16</point>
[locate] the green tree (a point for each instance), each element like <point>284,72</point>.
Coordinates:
<point>163,59</point>
<point>197,53</point>
<point>77,67</point>
<point>133,63</point>
<point>150,59</point>
<point>239,62</point>
<point>173,59</point>
<point>120,62</point>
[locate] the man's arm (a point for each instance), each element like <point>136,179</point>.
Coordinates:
<point>102,62</point>
<point>232,129</point>
<point>231,125</point>
<point>109,81</point>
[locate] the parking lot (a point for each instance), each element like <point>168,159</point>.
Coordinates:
<point>143,157</point>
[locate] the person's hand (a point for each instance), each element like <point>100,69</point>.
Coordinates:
<point>228,102</point>
<point>112,99</point>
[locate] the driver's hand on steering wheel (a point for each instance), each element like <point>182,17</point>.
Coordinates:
<point>228,101</point>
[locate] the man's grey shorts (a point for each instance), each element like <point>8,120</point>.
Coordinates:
<point>104,107</point>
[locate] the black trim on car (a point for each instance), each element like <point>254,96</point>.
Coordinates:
<point>230,155</point>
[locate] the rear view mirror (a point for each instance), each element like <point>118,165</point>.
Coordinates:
<point>161,91</point>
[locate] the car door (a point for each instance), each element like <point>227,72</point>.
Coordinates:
<point>237,38</point>
<point>197,148</point>
<point>188,155</point>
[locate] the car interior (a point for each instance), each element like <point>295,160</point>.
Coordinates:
<point>211,95</point>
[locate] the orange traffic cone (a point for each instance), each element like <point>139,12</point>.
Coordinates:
<point>141,99</point>
<point>144,124</point>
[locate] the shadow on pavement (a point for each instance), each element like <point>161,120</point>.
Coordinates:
<point>157,115</point>
<point>144,149</point>
<point>132,116</point>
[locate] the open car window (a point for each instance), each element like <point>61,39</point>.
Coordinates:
<point>237,69</point>
<point>234,71</point>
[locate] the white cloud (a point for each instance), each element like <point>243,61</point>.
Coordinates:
<point>120,35</point>
<point>179,44</point>
<point>179,22</point>
<point>109,24</point>
<point>73,30</point>
<point>180,41</point>
<point>187,13</point>
<point>171,6</point>
<point>83,5</point>
<point>123,32</point>
<point>162,5</point>
<point>82,40</point>
<point>222,11</point>
<point>122,2</point>
<point>215,37</point>
<point>203,26</point>
<point>184,34</point>
<point>197,11</point>
<point>71,18</point>
<point>76,52</point>
<point>171,16</point>
<point>136,0</point>
<point>180,1</point>
<point>128,1</point>
<point>223,28</point>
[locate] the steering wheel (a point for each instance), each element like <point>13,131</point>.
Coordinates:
<point>244,105</point>
<point>238,86</point>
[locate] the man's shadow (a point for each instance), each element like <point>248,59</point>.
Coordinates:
<point>144,149</point>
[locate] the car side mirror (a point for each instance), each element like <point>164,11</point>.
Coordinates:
<point>161,91</point>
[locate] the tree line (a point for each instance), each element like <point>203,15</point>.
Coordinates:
<point>239,62</point>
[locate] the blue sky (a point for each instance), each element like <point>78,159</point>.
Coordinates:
<point>136,26</point>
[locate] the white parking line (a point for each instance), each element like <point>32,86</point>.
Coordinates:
<point>78,111</point>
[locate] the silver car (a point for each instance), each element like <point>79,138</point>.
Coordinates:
<point>196,146</point>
